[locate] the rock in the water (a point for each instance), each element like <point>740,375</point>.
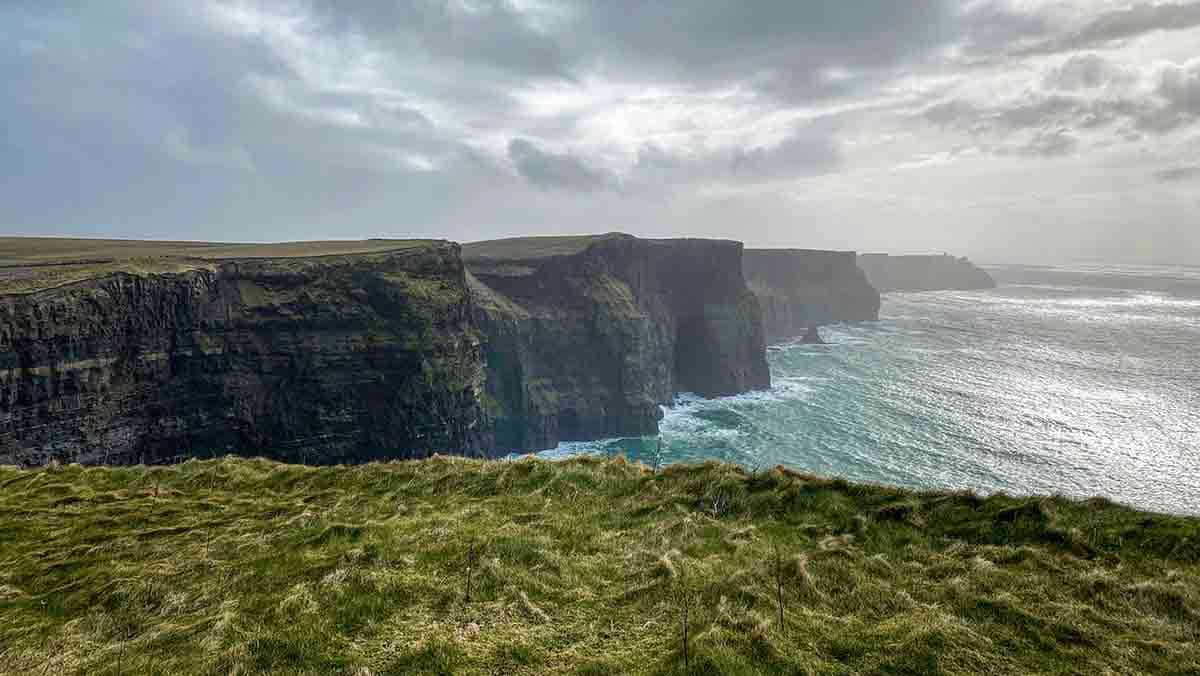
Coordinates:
<point>812,337</point>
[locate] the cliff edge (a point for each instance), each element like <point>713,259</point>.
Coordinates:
<point>151,351</point>
<point>585,337</point>
<point>803,288</point>
<point>923,273</point>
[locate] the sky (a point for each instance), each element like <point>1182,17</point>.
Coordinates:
<point>1008,130</point>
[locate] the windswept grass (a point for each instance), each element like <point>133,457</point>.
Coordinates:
<point>29,264</point>
<point>579,567</point>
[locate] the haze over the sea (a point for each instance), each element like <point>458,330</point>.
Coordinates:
<point>1078,380</point>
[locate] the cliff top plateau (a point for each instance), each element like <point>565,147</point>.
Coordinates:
<point>587,566</point>
<point>30,264</point>
<point>923,272</point>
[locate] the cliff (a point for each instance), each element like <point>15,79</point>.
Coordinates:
<point>141,356</point>
<point>923,273</point>
<point>802,288</point>
<point>585,337</point>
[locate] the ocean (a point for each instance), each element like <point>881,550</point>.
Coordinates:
<point>1075,380</point>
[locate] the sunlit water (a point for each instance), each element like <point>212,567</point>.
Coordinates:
<point>1082,381</point>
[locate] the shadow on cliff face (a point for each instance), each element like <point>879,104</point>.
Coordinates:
<point>313,359</point>
<point>586,337</point>
<point>395,352</point>
<point>802,288</point>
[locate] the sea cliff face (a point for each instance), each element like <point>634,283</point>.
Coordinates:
<point>317,359</point>
<point>149,352</point>
<point>923,273</point>
<point>585,337</point>
<point>803,288</point>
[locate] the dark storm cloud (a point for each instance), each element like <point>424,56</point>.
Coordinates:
<point>556,170</point>
<point>780,47</point>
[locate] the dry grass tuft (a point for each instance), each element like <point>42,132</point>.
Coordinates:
<point>253,567</point>
<point>532,611</point>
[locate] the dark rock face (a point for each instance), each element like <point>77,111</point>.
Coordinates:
<point>923,273</point>
<point>812,337</point>
<point>803,288</point>
<point>321,359</point>
<point>586,337</point>
<point>367,355</point>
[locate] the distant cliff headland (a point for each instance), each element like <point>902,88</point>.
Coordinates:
<point>123,352</point>
<point>802,288</point>
<point>923,273</point>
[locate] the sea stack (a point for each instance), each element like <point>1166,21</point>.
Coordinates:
<point>812,337</point>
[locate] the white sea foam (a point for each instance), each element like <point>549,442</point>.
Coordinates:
<point>1030,389</point>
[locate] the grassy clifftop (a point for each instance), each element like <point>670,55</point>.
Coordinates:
<point>29,264</point>
<point>451,566</point>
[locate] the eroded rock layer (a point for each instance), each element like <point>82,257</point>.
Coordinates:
<point>585,337</point>
<point>317,359</point>
<point>804,288</point>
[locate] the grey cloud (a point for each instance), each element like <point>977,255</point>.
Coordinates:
<point>1178,174</point>
<point>138,118</point>
<point>429,117</point>
<point>552,170</point>
<point>488,33</point>
<point>1051,144</point>
<point>1121,24</point>
<point>783,48</point>
<point>807,150</point>
<point>1181,86</point>
<point>1085,71</point>
<point>1071,99</point>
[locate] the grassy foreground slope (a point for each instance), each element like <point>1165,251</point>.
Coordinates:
<point>584,567</point>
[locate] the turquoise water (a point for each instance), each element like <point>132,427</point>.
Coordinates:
<point>1081,381</point>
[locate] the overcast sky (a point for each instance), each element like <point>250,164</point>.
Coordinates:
<point>1010,130</point>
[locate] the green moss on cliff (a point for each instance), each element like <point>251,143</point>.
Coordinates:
<point>247,566</point>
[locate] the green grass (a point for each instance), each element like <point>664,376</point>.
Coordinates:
<point>29,264</point>
<point>531,248</point>
<point>580,567</point>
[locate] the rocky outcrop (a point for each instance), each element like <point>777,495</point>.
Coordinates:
<point>803,288</point>
<point>317,359</point>
<point>585,337</point>
<point>923,273</point>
